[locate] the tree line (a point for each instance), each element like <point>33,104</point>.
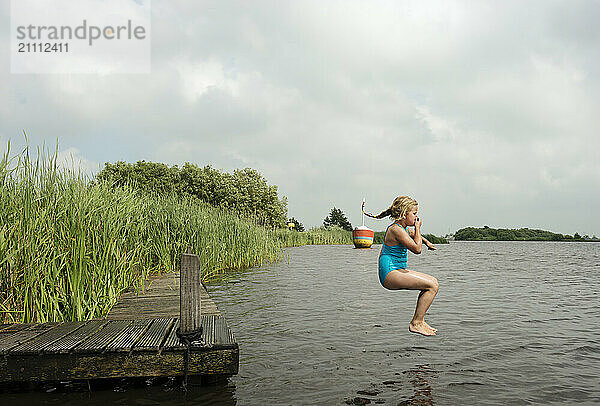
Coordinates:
<point>380,236</point>
<point>337,218</point>
<point>245,191</point>
<point>486,233</point>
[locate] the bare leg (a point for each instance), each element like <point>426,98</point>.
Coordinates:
<point>423,304</point>
<point>427,284</point>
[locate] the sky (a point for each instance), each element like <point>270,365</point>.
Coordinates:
<point>487,112</point>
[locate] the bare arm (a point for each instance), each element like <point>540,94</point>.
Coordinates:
<point>425,241</point>
<point>413,244</point>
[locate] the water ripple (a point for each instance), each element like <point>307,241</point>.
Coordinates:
<point>516,326</point>
<point>509,317</point>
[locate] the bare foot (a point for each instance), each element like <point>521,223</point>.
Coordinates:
<point>435,330</point>
<point>421,328</point>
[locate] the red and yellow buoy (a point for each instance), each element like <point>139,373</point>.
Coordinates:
<point>362,236</point>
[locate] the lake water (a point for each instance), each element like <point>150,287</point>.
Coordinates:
<point>517,325</point>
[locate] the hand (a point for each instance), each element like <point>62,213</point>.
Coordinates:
<point>417,222</point>
<point>431,247</point>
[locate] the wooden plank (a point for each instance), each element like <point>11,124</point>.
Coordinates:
<point>214,362</point>
<point>139,339</point>
<point>172,342</point>
<point>37,344</point>
<point>153,295</point>
<point>125,341</point>
<point>165,283</point>
<point>152,304</point>
<point>57,367</point>
<point>67,343</point>
<point>223,335</point>
<point>20,337</point>
<point>208,330</point>
<point>13,328</point>
<point>155,335</point>
<point>165,307</point>
<point>190,300</point>
<point>166,288</point>
<point>132,306</point>
<point>150,295</point>
<point>98,341</point>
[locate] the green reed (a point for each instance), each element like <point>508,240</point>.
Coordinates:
<point>315,236</point>
<point>69,247</point>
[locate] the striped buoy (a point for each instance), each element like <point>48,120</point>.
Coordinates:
<point>362,237</point>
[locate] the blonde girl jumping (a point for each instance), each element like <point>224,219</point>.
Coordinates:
<point>393,273</point>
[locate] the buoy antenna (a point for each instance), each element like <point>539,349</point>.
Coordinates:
<point>363,211</point>
<point>362,236</point>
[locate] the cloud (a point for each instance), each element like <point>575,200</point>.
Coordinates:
<point>198,78</point>
<point>72,160</point>
<point>485,112</point>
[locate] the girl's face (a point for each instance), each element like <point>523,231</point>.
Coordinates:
<point>411,216</point>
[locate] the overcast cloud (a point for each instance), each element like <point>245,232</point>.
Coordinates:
<point>486,112</point>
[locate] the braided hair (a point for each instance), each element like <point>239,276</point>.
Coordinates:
<point>400,206</point>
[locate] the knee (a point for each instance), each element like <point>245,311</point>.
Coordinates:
<point>435,286</point>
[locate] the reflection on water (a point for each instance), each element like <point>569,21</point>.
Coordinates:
<point>420,378</point>
<point>143,391</point>
<point>319,329</point>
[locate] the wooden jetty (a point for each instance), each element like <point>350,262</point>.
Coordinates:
<point>173,325</point>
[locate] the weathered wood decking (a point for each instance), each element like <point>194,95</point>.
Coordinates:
<point>137,339</point>
<point>160,299</point>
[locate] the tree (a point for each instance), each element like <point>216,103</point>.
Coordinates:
<point>576,236</point>
<point>245,192</point>
<point>337,218</point>
<point>297,225</point>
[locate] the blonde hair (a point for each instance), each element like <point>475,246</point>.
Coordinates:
<point>400,206</point>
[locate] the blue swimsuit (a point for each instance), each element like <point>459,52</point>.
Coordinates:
<point>391,257</point>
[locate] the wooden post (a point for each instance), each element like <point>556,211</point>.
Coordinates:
<point>189,294</point>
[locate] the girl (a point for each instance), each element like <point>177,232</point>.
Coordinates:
<point>393,274</point>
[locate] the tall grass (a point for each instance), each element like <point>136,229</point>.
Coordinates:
<point>70,247</point>
<point>315,236</point>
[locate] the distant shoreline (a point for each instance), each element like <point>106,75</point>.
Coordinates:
<point>585,241</point>
<point>380,235</point>
<point>486,233</point>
